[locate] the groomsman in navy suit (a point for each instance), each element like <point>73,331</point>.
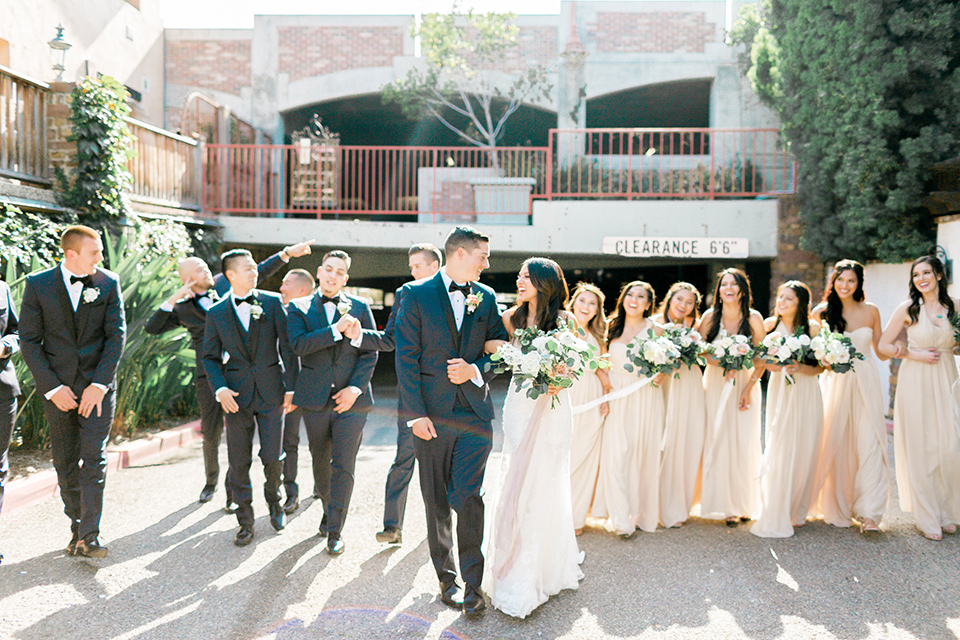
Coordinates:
<point>72,336</point>
<point>443,370</point>
<point>334,389</point>
<point>298,283</point>
<point>9,389</point>
<point>424,262</point>
<point>252,370</point>
<point>187,308</point>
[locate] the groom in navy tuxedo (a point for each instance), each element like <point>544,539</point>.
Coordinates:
<point>443,371</point>
<point>72,331</point>
<point>252,371</point>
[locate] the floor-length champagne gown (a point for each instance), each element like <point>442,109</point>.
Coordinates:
<point>684,431</point>
<point>925,440</point>
<point>854,472</point>
<point>585,443</point>
<point>627,487</point>
<point>793,439</point>
<point>731,450</point>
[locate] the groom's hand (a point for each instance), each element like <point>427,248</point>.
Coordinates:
<point>460,371</point>
<point>423,429</point>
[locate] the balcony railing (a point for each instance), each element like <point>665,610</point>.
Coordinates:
<point>23,131</point>
<point>449,184</point>
<point>166,167</point>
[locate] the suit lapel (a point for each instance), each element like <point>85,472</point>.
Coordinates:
<point>64,297</point>
<point>444,300</point>
<point>467,325</point>
<point>83,312</point>
<point>319,312</point>
<point>238,329</point>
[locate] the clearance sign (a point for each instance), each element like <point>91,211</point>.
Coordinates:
<point>649,247</point>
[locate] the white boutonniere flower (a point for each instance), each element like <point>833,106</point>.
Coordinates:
<point>344,306</point>
<point>89,295</point>
<point>256,311</point>
<point>473,301</point>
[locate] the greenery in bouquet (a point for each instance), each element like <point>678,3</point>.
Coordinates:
<point>732,353</point>
<point>835,351</point>
<point>652,355</point>
<point>954,319</point>
<point>688,341</point>
<point>780,350</point>
<point>540,359</point>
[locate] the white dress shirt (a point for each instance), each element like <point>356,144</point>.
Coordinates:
<point>75,290</point>
<point>242,309</point>
<point>331,308</point>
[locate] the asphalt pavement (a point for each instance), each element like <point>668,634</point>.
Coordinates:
<point>173,572</point>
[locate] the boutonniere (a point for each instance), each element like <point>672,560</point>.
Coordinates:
<point>89,295</point>
<point>473,301</point>
<point>344,306</point>
<point>256,311</point>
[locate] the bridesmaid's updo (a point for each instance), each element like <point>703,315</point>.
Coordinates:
<point>598,323</point>
<point>942,296</point>
<point>664,309</point>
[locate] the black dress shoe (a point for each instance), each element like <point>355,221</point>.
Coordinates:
<point>90,548</point>
<point>451,594</point>
<point>323,527</point>
<point>244,537</point>
<point>231,506</point>
<point>473,601</point>
<point>276,516</point>
<point>335,546</point>
<point>390,535</point>
<point>207,494</point>
<point>291,505</point>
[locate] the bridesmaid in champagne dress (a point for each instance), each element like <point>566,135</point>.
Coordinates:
<point>586,304</point>
<point>794,424</point>
<point>730,488</point>
<point>926,443</point>
<point>686,416</point>
<point>853,476</point>
<point>627,487</point>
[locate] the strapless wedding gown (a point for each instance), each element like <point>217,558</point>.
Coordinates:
<point>534,553</point>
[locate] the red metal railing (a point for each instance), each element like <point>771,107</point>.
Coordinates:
<point>165,167</point>
<point>668,163</point>
<point>423,183</point>
<point>23,131</point>
<point>466,184</point>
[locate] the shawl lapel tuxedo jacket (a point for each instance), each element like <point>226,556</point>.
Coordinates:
<point>427,337</point>
<point>329,365</point>
<point>75,349</point>
<point>257,363</point>
<point>10,334</point>
<point>191,316</point>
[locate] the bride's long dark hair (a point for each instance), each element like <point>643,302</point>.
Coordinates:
<point>552,293</point>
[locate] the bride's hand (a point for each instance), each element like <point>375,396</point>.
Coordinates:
<point>552,390</point>
<point>659,378</point>
<point>604,409</point>
<point>491,346</point>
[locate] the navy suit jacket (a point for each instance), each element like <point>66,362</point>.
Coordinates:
<point>259,363</point>
<point>385,340</point>
<point>10,335</point>
<point>63,347</point>
<point>427,337</point>
<point>329,365</point>
<point>190,315</point>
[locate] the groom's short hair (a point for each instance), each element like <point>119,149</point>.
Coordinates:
<point>337,253</point>
<point>463,236</point>
<point>428,249</point>
<point>73,236</point>
<point>227,258</point>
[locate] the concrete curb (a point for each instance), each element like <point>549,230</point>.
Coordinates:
<point>40,486</point>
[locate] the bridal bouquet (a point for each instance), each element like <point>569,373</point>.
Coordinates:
<point>781,350</point>
<point>539,360</point>
<point>834,350</point>
<point>954,319</point>
<point>652,355</point>
<point>688,342</point>
<point>732,353</point>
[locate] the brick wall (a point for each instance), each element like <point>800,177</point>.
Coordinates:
<point>312,51</point>
<point>220,65</point>
<point>60,153</point>
<point>649,32</point>
<point>793,263</point>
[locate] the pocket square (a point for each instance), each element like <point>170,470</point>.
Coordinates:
<point>226,357</point>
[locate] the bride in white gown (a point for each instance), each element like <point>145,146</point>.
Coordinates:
<point>534,552</point>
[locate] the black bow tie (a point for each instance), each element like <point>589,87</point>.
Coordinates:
<point>251,299</point>
<point>84,279</point>
<point>325,299</point>
<point>462,288</point>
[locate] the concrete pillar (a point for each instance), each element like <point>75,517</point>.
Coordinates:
<point>571,94</point>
